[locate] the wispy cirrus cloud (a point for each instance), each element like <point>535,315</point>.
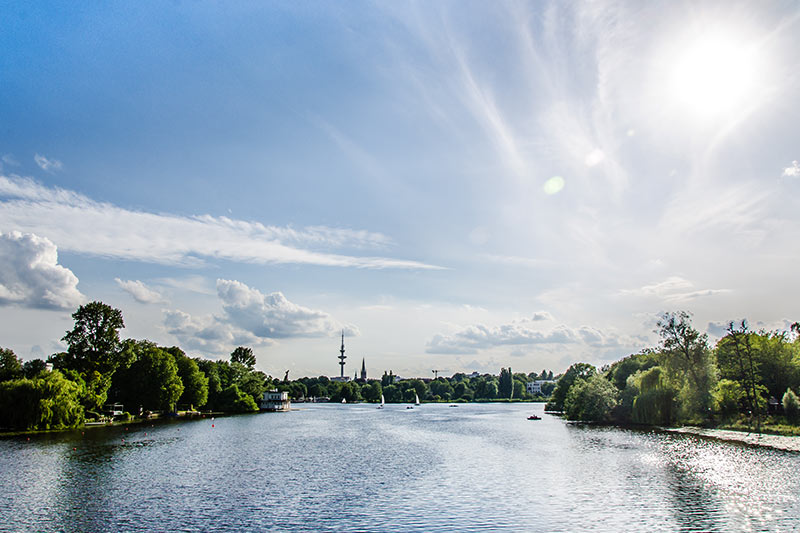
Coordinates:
<point>82,225</point>
<point>30,275</point>
<point>48,165</point>
<point>674,289</point>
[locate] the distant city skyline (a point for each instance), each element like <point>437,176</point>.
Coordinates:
<point>456,186</point>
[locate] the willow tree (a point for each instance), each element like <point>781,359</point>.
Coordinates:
<point>688,361</point>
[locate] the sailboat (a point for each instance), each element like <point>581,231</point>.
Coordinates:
<point>381,405</point>
<point>344,401</point>
<point>416,399</point>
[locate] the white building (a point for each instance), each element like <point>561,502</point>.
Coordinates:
<point>275,401</point>
<point>535,387</point>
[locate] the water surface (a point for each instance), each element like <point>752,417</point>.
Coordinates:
<point>324,467</point>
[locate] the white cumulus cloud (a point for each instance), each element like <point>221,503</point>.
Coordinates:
<point>139,291</point>
<point>792,171</point>
<point>271,315</point>
<point>250,318</point>
<point>30,275</point>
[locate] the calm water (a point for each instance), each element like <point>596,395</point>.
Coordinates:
<point>357,468</point>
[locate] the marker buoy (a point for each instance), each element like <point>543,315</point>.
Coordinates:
<point>212,425</point>
<point>73,449</point>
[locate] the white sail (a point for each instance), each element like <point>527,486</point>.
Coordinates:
<point>344,401</point>
<point>416,399</point>
<point>381,400</point>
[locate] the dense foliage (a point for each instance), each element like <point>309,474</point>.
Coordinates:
<point>746,376</point>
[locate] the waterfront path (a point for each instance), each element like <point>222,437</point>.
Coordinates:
<point>777,442</point>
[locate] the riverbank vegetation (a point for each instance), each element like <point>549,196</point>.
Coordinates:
<point>747,380</point>
<point>99,372</point>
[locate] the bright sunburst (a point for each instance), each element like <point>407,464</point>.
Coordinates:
<point>714,74</point>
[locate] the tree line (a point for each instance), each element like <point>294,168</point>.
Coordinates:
<point>746,378</point>
<point>100,368</point>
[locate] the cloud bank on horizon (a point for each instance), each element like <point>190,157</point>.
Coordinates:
<point>470,172</point>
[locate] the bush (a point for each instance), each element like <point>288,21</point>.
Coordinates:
<point>791,406</point>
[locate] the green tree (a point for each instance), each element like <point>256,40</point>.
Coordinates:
<point>195,382</point>
<point>372,391</point>
<point>33,368</point>
<point>591,400</point>
<point>791,406</point>
<point>575,372</point>
<point>244,356</point>
<point>151,381</point>
<point>232,400</point>
<point>737,360</point>
<point>654,404</point>
<point>10,365</point>
<point>505,385</point>
<point>49,401</point>
<point>94,344</point>
<point>688,361</point>
<point>728,395</point>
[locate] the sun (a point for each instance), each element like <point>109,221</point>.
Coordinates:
<point>713,74</point>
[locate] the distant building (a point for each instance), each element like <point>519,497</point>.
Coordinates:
<point>535,387</point>
<point>363,369</point>
<point>275,401</point>
<point>340,379</point>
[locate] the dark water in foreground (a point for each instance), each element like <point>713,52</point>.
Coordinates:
<point>356,468</point>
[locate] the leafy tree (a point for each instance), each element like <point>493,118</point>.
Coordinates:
<point>575,372</point>
<point>372,391</point>
<point>244,356</point>
<point>49,401</point>
<point>791,406</point>
<point>94,343</point>
<point>591,400</point>
<point>33,368</point>
<point>688,361</point>
<point>728,395</point>
<point>441,388</point>
<point>654,404</point>
<point>232,400</point>
<point>195,382</point>
<point>392,394</point>
<point>737,360</point>
<point>10,365</point>
<point>151,381</point>
<point>505,386</point>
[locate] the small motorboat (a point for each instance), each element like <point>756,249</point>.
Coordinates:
<point>534,417</point>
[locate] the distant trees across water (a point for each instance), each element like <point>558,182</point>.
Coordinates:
<point>744,378</point>
<point>99,368</point>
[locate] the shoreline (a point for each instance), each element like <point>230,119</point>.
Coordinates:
<point>763,440</point>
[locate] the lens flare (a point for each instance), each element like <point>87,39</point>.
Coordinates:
<point>553,185</point>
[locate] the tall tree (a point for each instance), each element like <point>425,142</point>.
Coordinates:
<point>93,344</point>
<point>575,372</point>
<point>151,381</point>
<point>244,356</point>
<point>687,360</point>
<point>10,365</point>
<point>505,386</point>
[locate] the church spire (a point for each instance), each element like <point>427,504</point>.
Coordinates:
<point>363,369</point>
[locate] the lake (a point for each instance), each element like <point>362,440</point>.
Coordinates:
<point>325,467</point>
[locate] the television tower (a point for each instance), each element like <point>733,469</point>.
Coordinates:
<point>342,357</point>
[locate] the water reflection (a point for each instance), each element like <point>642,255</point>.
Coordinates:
<point>355,468</point>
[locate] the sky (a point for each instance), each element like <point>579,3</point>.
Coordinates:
<point>455,186</point>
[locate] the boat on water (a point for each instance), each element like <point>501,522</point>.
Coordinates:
<point>534,417</point>
<point>344,401</point>
<point>381,405</point>
<point>416,399</point>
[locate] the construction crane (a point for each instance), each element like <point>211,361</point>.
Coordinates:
<point>435,373</point>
